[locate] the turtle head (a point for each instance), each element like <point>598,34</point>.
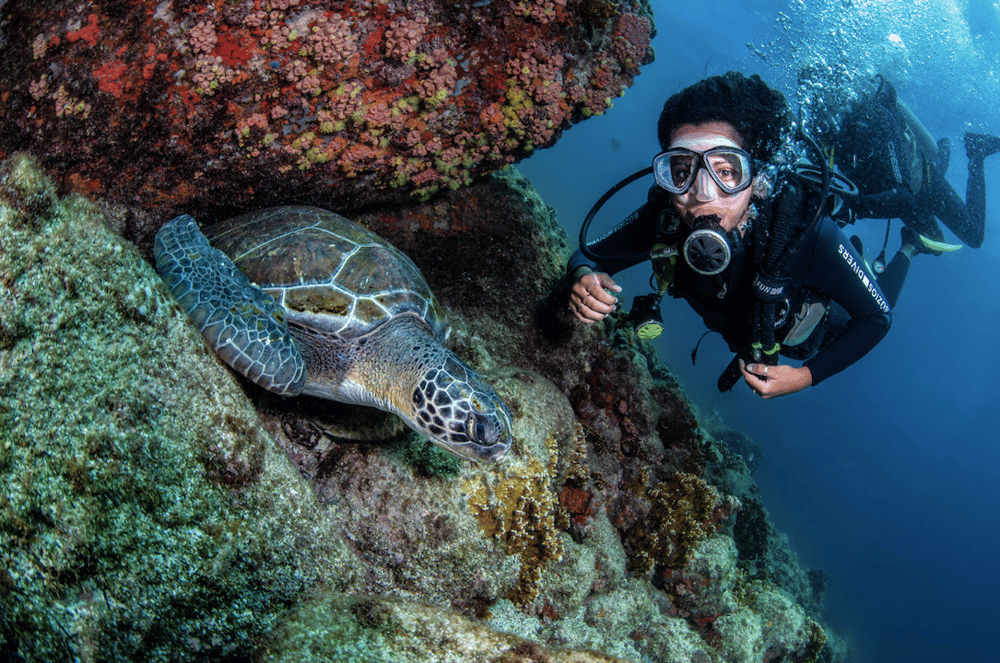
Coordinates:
<point>457,410</point>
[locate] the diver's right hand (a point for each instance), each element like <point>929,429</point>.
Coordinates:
<point>589,298</point>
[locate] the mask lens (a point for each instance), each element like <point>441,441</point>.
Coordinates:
<point>730,170</point>
<point>683,168</point>
<point>676,170</point>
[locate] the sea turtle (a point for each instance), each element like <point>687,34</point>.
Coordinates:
<point>339,313</point>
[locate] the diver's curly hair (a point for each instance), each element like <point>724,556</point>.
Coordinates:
<point>758,112</point>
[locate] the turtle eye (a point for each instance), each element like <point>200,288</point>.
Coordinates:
<point>476,428</point>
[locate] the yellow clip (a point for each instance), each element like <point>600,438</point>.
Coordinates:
<point>828,151</point>
<point>663,258</point>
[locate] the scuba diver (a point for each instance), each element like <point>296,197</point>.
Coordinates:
<point>900,172</point>
<point>761,261</point>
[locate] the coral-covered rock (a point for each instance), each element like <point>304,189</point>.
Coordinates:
<point>786,630</point>
<point>149,512</point>
<point>341,629</point>
<point>742,636</point>
<point>702,590</point>
<point>183,106</point>
<point>145,513</point>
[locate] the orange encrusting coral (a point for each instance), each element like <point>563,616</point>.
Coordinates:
<point>482,83</point>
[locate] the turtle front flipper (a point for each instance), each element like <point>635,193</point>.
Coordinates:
<point>241,322</point>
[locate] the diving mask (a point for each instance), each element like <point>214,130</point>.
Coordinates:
<point>729,167</point>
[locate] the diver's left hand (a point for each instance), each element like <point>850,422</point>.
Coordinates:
<point>773,381</point>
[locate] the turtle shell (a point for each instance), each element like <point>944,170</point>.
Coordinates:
<point>330,274</point>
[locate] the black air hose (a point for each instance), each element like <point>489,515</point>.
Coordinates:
<point>585,228</point>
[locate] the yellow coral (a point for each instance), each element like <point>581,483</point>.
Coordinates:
<point>515,504</point>
<point>680,516</point>
<point>817,638</point>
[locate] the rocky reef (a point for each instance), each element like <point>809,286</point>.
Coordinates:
<point>214,107</point>
<point>158,508</point>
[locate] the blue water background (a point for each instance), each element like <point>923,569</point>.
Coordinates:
<point>885,475</point>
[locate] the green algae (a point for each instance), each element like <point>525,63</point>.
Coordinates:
<point>427,459</point>
<point>145,515</point>
<point>331,629</point>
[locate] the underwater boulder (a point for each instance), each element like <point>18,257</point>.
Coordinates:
<point>193,107</point>
<point>146,513</point>
<point>158,507</point>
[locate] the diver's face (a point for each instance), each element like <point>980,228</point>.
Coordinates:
<point>705,196</point>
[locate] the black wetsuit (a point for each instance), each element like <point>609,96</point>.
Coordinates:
<point>827,270</point>
<point>875,149</point>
